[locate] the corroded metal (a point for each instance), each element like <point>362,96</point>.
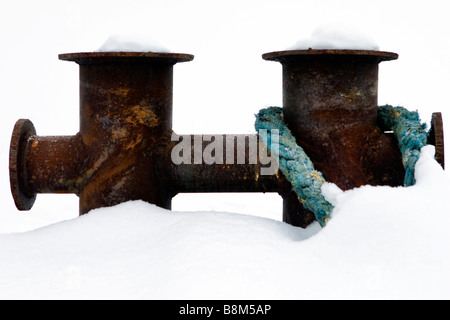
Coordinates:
<point>436,137</point>
<point>330,105</point>
<point>125,107</point>
<point>123,149</point>
<point>125,145</point>
<point>24,196</point>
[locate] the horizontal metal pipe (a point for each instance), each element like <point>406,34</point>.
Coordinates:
<point>239,170</point>
<point>55,164</point>
<point>222,163</point>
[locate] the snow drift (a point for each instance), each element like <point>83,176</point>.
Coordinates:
<point>381,243</point>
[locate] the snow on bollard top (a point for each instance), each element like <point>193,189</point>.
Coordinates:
<point>126,46</point>
<point>336,36</point>
<point>132,43</point>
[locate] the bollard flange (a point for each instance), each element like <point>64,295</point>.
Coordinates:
<point>436,137</point>
<point>23,197</point>
<point>282,56</point>
<point>105,57</point>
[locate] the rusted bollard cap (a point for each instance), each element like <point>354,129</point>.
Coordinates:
<point>282,56</point>
<point>23,198</point>
<point>98,57</point>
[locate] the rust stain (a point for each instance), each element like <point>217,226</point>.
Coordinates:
<point>116,157</point>
<point>119,133</point>
<point>141,115</point>
<point>133,143</point>
<point>354,94</point>
<point>121,92</point>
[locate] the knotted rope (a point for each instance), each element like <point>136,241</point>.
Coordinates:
<point>299,170</point>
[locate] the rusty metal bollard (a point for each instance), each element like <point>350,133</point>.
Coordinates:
<point>330,102</point>
<point>125,108</point>
<point>124,147</point>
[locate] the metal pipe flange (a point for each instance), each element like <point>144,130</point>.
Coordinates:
<point>23,196</point>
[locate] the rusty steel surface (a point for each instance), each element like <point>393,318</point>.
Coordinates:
<point>24,196</point>
<point>282,56</point>
<point>123,150</point>
<point>106,57</point>
<point>55,163</point>
<point>330,105</point>
<point>436,137</point>
<point>233,175</point>
<point>125,107</point>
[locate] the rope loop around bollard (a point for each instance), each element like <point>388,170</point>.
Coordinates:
<point>410,134</point>
<point>299,170</point>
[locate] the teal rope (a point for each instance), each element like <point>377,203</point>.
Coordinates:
<point>410,134</point>
<point>299,170</point>
<point>295,164</point>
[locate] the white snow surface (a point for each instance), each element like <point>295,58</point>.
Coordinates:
<point>132,43</point>
<point>381,243</point>
<point>333,35</point>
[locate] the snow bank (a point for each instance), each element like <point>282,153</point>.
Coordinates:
<point>336,36</point>
<point>131,43</point>
<point>382,242</point>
